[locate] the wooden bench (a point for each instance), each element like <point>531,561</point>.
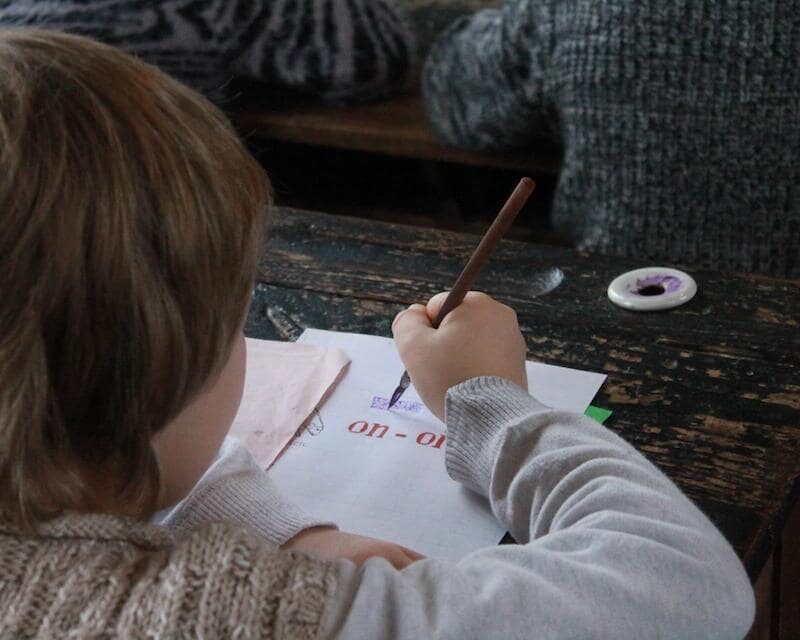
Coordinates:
<point>395,127</point>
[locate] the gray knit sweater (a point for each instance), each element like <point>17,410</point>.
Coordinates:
<point>680,121</point>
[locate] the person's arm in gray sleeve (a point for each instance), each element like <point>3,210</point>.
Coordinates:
<point>610,548</point>
<point>483,82</point>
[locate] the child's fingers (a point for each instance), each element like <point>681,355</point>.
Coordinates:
<point>435,304</point>
<point>409,321</point>
<point>401,557</point>
<point>433,307</point>
<point>412,554</point>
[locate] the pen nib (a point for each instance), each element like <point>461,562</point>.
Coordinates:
<point>396,396</point>
<point>405,380</point>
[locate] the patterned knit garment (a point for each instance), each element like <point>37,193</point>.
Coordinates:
<point>339,49</point>
<point>95,576</point>
<point>680,121</point>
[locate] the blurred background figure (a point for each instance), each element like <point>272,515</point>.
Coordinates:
<point>679,121</point>
<point>340,51</point>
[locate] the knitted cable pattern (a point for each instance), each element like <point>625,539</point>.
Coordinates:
<point>101,576</point>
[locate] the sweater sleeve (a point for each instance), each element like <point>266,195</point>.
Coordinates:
<point>236,490</point>
<point>610,547</point>
<point>483,82</point>
<point>342,50</point>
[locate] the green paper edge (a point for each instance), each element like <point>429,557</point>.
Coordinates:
<point>598,413</point>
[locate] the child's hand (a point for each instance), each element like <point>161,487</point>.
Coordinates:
<point>332,545</point>
<point>480,337</point>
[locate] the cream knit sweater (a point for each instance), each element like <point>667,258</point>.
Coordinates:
<point>88,576</point>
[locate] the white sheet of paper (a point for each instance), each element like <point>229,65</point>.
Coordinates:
<point>381,473</point>
<point>283,384</point>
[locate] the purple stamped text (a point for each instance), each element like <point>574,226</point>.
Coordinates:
<point>403,405</point>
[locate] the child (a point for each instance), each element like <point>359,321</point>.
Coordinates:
<point>131,222</point>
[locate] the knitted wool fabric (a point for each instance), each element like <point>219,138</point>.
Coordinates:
<point>339,49</point>
<point>100,576</point>
<point>680,121</point>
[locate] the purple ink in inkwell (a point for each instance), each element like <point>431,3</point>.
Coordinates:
<point>656,285</point>
<point>652,289</point>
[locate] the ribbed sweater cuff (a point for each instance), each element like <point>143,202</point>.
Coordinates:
<point>247,499</point>
<point>477,413</point>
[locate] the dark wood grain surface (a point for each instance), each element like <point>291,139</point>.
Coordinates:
<point>708,391</point>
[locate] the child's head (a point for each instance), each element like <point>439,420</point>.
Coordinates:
<point>130,223</point>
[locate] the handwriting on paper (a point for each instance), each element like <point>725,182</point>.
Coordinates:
<point>403,405</point>
<point>381,473</point>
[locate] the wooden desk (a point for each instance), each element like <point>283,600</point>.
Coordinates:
<point>394,127</point>
<point>708,391</point>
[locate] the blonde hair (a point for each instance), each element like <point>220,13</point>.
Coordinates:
<point>131,218</point>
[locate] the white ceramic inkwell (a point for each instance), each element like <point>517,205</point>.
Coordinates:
<point>652,289</point>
